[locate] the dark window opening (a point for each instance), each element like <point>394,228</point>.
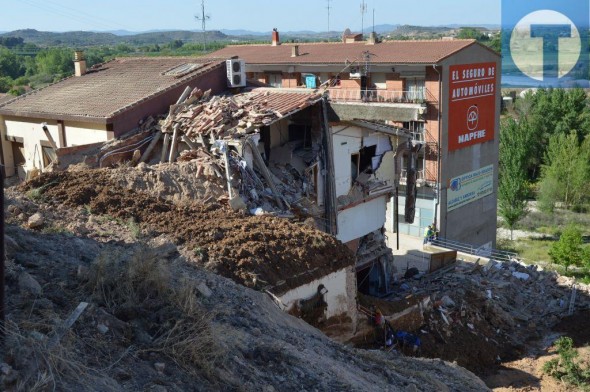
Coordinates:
<point>366,159</point>
<point>18,152</point>
<point>300,132</point>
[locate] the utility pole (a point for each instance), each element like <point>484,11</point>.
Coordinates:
<point>203,18</point>
<point>329,8</point>
<point>363,12</point>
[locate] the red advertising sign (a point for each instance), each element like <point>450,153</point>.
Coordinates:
<point>472,104</point>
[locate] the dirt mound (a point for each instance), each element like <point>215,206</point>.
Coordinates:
<point>257,251</point>
<point>135,334</point>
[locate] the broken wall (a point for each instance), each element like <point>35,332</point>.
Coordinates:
<point>340,298</point>
<point>362,219</point>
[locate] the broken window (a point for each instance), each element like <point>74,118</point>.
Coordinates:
<point>48,155</point>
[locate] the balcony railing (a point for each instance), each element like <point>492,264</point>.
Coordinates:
<point>378,95</point>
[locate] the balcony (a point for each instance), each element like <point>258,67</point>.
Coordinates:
<point>378,104</point>
<point>380,95</point>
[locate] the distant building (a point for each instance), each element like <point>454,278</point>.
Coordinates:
<point>97,104</point>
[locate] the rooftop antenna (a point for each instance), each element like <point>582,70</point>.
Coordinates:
<point>363,12</point>
<point>329,7</point>
<point>203,18</point>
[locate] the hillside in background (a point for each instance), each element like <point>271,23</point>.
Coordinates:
<point>159,37</point>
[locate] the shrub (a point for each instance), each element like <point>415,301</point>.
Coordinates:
<point>565,368</point>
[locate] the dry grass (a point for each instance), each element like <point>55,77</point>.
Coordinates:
<point>142,279</point>
<point>51,367</point>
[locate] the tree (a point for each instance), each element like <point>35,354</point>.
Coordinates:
<point>551,112</point>
<point>10,64</point>
<point>568,250</point>
<point>565,176</point>
<point>515,145</point>
<point>471,33</point>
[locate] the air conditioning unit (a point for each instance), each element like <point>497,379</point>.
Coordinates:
<point>236,73</point>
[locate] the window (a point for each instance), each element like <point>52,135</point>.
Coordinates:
<point>275,80</point>
<point>48,155</point>
<point>415,89</point>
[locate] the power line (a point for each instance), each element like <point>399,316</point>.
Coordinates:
<point>203,18</point>
<point>66,13</point>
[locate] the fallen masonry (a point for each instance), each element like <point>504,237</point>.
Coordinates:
<point>479,314</point>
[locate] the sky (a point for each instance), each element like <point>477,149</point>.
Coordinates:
<point>255,15</point>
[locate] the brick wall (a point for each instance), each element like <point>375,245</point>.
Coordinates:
<point>291,80</point>
<point>393,82</point>
<point>126,121</point>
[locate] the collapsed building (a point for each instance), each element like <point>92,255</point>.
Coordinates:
<point>369,143</point>
<point>435,106</point>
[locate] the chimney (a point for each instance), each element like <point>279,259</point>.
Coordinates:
<point>275,37</point>
<point>295,51</point>
<point>79,63</point>
<point>372,39</point>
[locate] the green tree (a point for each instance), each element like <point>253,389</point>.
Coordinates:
<point>565,176</point>
<point>515,144</point>
<point>471,33</point>
<point>6,84</point>
<point>55,61</point>
<point>550,112</point>
<point>10,64</point>
<point>568,250</point>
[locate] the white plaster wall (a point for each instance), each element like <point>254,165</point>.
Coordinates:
<point>360,220</point>
<point>346,141</point>
<point>30,130</point>
<point>78,133</point>
<point>8,163</point>
<point>338,296</point>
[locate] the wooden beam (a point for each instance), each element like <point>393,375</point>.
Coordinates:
<point>150,147</point>
<point>174,146</point>
<point>265,172</point>
<point>165,147</point>
<point>188,141</point>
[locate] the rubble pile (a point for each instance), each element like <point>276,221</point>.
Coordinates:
<point>219,116</point>
<point>221,134</point>
<point>481,315</point>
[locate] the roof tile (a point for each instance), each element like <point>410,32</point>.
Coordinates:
<point>389,52</point>
<point>108,88</point>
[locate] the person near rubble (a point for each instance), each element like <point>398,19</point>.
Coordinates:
<point>389,336</point>
<point>434,232</point>
<point>378,319</point>
<point>406,339</point>
<point>427,235</point>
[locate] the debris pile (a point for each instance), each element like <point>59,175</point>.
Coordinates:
<point>220,116</point>
<point>223,133</point>
<point>257,251</point>
<point>477,315</point>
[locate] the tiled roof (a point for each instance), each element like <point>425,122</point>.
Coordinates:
<point>389,52</point>
<point>283,101</point>
<point>107,89</point>
<point>5,98</point>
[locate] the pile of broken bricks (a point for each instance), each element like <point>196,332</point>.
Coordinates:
<point>205,123</point>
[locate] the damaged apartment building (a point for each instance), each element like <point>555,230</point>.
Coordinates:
<point>369,141</point>
<point>418,119</point>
